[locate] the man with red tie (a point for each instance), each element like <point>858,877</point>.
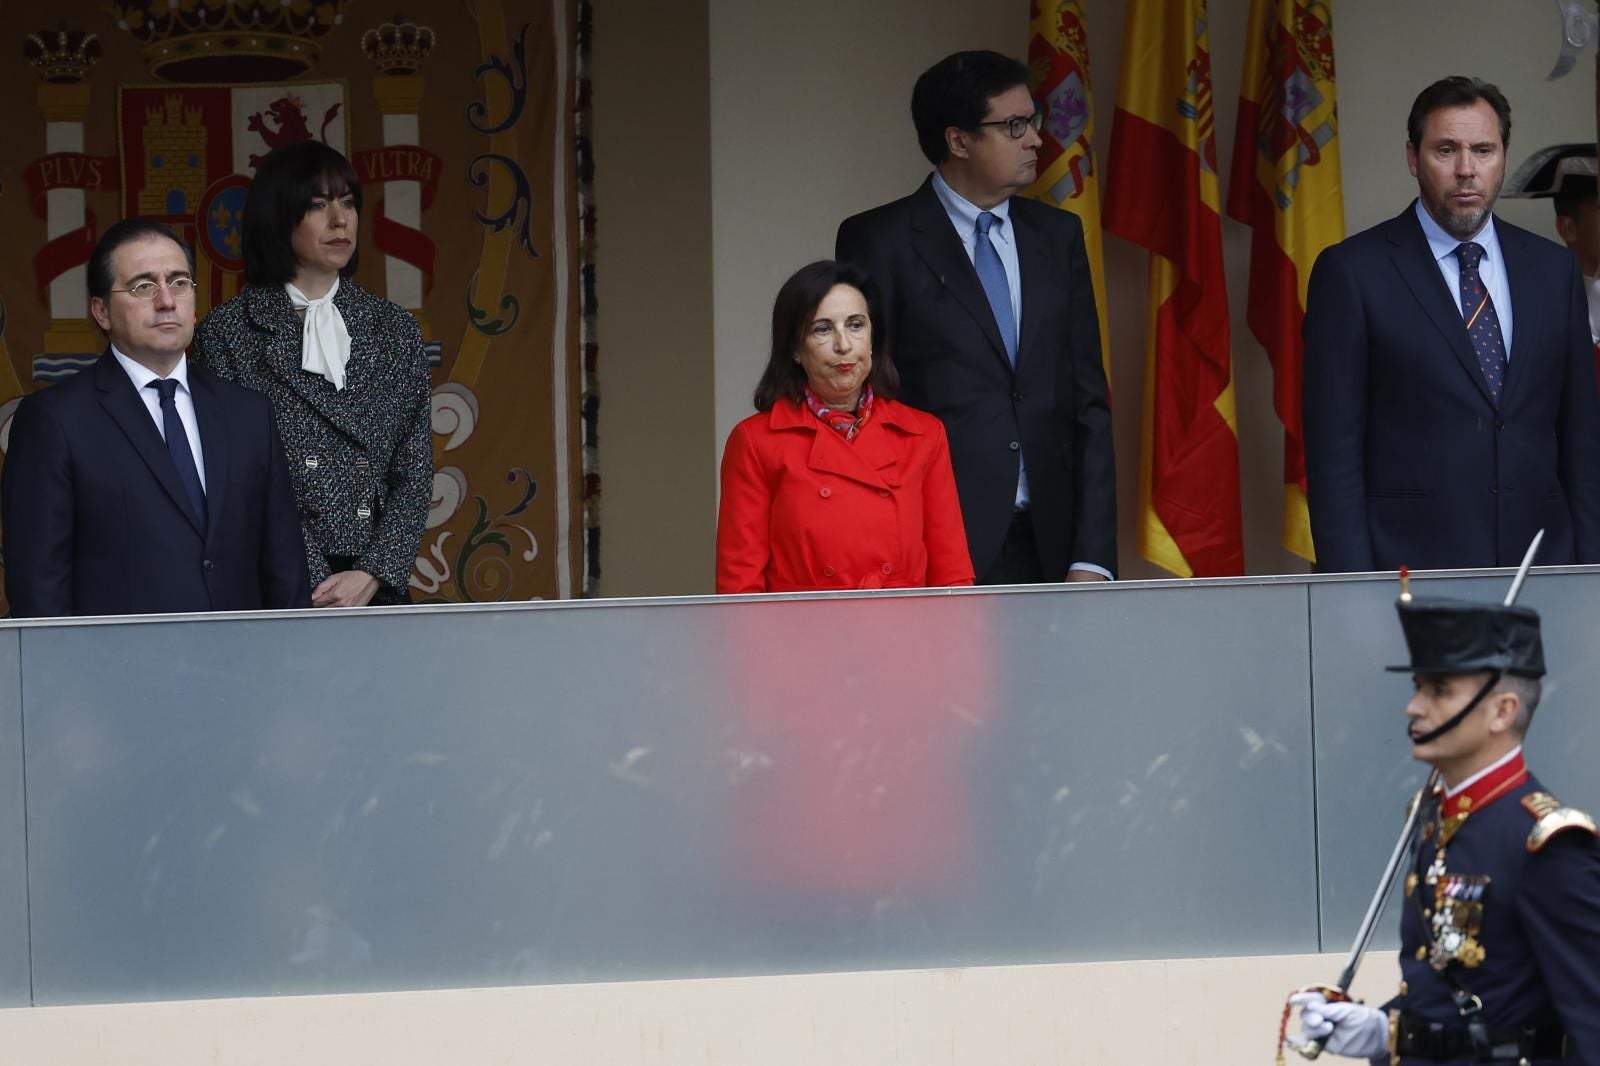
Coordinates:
<point>1450,396</point>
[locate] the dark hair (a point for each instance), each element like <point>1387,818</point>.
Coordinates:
<point>1574,191</point>
<point>126,232</point>
<point>955,92</point>
<point>286,182</point>
<point>1457,91</point>
<point>792,311</point>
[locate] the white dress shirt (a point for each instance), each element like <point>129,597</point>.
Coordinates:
<point>963,215</point>
<point>1591,287</point>
<point>1492,268</point>
<point>183,400</point>
<point>1485,772</point>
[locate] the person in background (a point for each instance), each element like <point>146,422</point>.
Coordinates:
<point>1450,400</point>
<point>994,317</point>
<point>1566,174</point>
<point>833,484</point>
<point>345,371</point>
<point>143,485</point>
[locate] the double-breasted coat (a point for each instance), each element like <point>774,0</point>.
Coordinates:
<point>361,457</point>
<point>804,509</point>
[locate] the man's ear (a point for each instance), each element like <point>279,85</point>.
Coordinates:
<point>1567,227</point>
<point>1504,707</point>
<point>955,140</point>
<point>101,313</point>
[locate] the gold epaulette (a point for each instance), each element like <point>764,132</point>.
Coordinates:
<point>1553,818</point>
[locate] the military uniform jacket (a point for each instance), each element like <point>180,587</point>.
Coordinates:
<point>1511,912</point>
<point>361,457</point>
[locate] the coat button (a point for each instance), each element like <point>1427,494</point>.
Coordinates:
<point>363,511</point>
<point>827,571</point>
<point>1015,446</point>
<point>883,492</point>
<point>205,564</point>
<point>1017,396</point>
<point>312,462</point>
<point>362,464</point>
<point>886,568</point>
<point>824,492</point>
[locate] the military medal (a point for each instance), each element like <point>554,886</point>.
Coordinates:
<point>1457,918</point>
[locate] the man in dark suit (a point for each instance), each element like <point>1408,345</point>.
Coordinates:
<point>144,485</point>
<point>1450,406</point>
<point>992,321</point>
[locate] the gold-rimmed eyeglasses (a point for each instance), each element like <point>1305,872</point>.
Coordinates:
<point>146,290</point>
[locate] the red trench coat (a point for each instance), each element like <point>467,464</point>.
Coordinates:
<point>803,509</point>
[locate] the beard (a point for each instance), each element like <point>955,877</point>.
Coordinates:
<point>1462,224</point>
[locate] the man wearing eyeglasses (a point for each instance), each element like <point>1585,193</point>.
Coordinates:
<point>992,320</point>
<point>143,485</point>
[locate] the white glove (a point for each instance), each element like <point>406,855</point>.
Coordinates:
<point>1351,1029</point>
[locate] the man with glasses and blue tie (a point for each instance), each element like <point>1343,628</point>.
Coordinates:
<point>1449,404</point>
<point>992,319</point>
<point>143,485</point>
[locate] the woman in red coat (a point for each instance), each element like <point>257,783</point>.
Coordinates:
<point>832,484</point>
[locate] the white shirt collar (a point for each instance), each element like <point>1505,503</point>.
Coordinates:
<point>964,213</point>
<point>1485,772</point>
<point>1443,244</point>
<point>142,376</point>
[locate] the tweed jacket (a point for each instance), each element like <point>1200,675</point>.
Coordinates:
<point>361,458</point>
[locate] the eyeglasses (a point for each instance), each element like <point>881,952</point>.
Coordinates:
<point>1017,126</point>
<point>146,290</point>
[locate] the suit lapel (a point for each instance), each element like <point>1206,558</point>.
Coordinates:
<point>213,443</point>
<point>1040,285</point>
<point>132,417</point>
<point>939,246</point>
<point>1524,298</point>
<point>1414,260</point>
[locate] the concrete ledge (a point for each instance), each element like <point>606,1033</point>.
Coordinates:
<point>1190,1011</point>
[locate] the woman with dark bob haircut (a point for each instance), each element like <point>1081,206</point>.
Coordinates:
<point>833,484</point>
<point>345,371</point>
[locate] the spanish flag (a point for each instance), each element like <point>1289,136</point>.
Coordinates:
<point>1285,187</point>
<point>1163,193</point>
<point>1058,75</point>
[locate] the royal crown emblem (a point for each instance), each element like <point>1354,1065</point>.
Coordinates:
<point>398,48</point>
<point>228,40</point>
<point>61,56</point>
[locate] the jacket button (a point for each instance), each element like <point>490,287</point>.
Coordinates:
<point>886,568</point>
<point>362,464</point>
<point>883,492</point>
<point>827,571</point>
<point>312,462</point>
<point>1015,446</point>
<point>363,511</point>
<point>1017,396</point>
<point>205,564</point>
<point>824,492</point>
<point>1499,423</point>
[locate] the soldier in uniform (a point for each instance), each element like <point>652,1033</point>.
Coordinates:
<point>1500,932</point>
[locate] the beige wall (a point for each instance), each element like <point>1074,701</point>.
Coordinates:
<point>808,122</point>
<point>1193,1012</point>
<point>653,285</point>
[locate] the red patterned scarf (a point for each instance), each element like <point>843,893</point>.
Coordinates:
<point>848,423</point>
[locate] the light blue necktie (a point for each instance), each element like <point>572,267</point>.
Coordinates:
<point>992,273</point>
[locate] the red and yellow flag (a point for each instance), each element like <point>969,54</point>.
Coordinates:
<point>1163,194</point>
<point>1058,76</point>
<point>1285,186</point>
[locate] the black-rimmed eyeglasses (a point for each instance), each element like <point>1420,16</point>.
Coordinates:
<point>1017,126</point>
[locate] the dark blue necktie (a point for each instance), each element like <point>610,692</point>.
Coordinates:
<point>1483,325</point>
<point>992,273</point>
<point>178,446</point>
